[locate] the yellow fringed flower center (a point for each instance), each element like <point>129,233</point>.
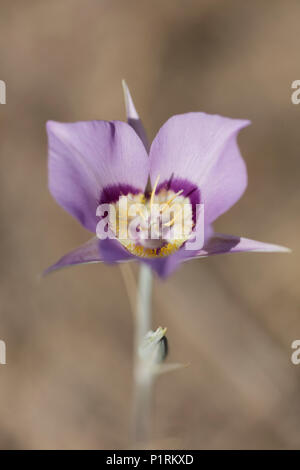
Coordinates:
<point>152,227</point>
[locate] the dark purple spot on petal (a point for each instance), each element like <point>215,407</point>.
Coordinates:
<point>112,193</point>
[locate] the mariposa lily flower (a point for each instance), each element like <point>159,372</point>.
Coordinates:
<point>194,160</point>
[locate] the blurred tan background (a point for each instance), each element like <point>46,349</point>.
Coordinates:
<point>67,382</point>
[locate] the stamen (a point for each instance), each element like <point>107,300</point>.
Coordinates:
<point>171,222</point>
<point>171,200</point>
<point>153,191</point>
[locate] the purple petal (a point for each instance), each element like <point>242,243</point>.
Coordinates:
<point>87,253</point>
<point>202,148</point>
<point>216,244</point>
<point>166,265</point>
<point>86,157</point>
<point>220,243</point>
<point>94,251</point>
<point>111,251</point>
<point>133,118</point>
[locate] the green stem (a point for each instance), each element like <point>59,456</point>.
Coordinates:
<point>142,376</point>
